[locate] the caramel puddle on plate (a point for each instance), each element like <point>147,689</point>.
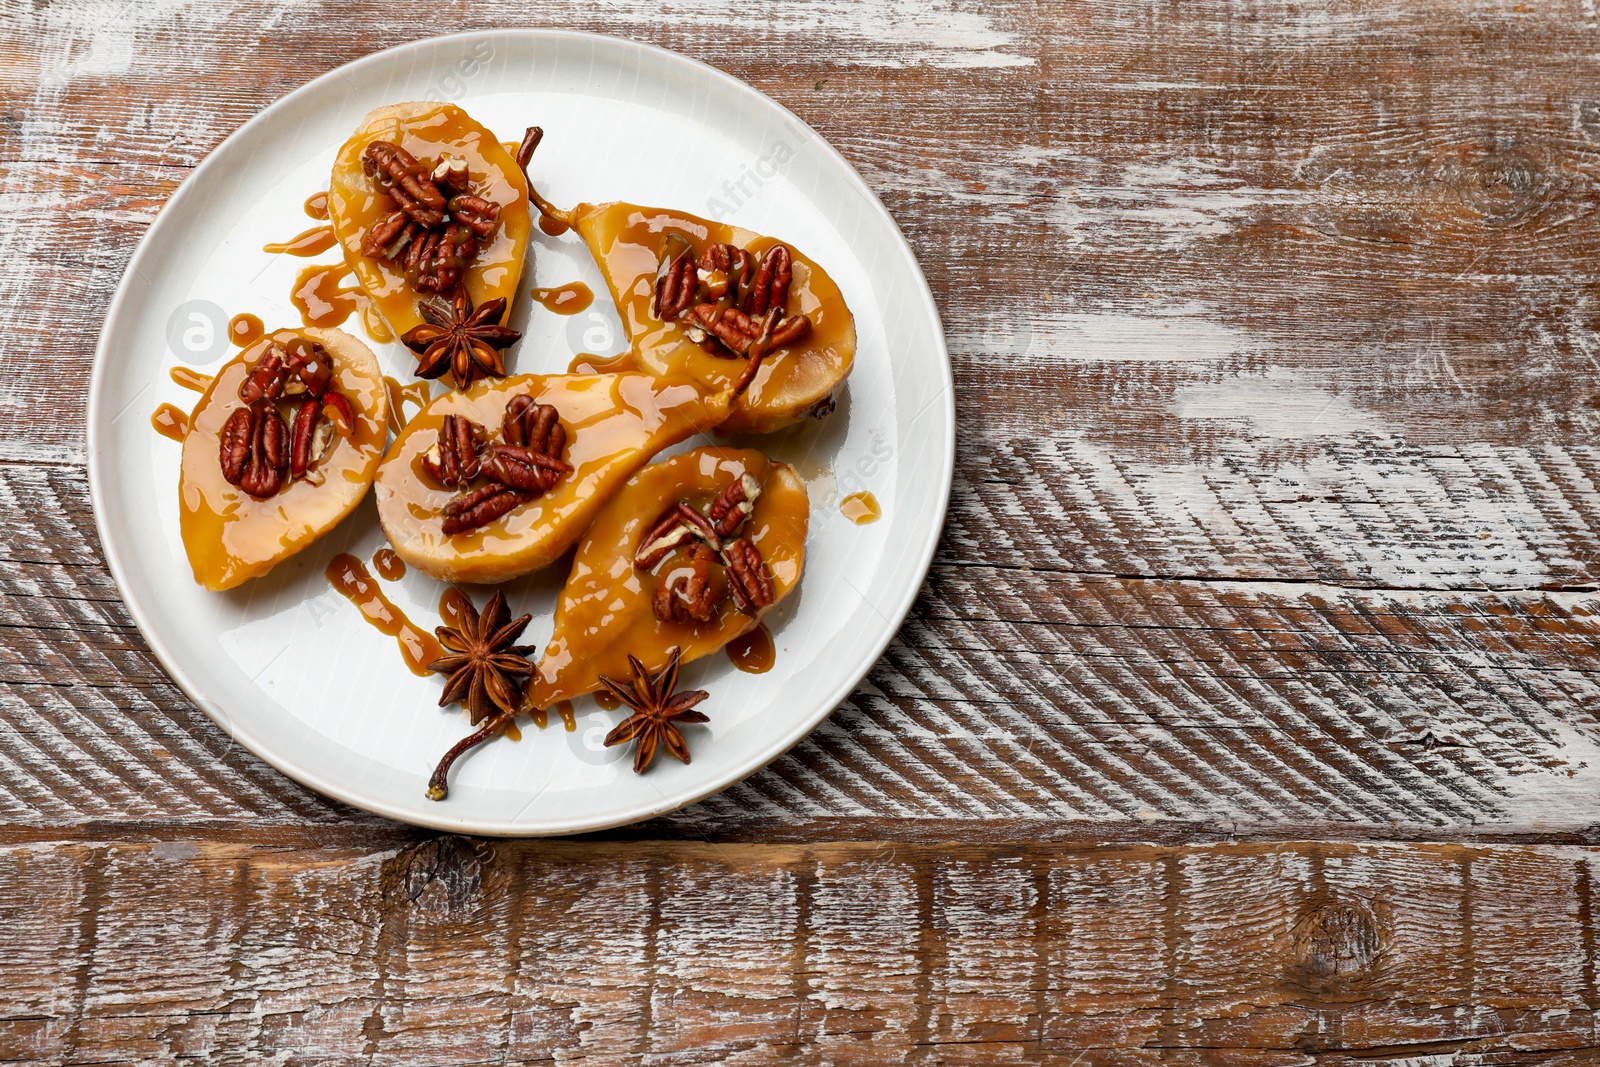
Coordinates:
<point>351,578</point>
<point>312,242</point>
<point>552,227</point>
<point>606,701</point>
<point>171,422</point>
<point>566,299</point>
<point>389,565</point>
<point>245,330</point>
<point>753,652</point>
<point>190,378</point>
<point>322,301</point>
<point>860,508</point>
<point>317,205</point>
<point>417,394</point>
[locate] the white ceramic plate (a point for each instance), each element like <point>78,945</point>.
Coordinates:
<point>286,664</point>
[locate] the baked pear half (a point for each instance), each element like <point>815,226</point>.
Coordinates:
<point>282,445</point>
<point>423,200</point>
<point>499,480</point>
<point>689,554</point>
<point>726,307</point>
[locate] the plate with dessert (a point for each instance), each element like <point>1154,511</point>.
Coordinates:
<point>521,432</point>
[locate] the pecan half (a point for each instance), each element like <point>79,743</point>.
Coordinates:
<point>474,212</point>
<point>481,507</point>
<point>528,424</point>
<point>733,505</point>
<point>302,436</point>
<point>685,598</point>
<point>731,260</point>
<point>389,237</point>
<point>406,180</point>
<point>523,468</point>
<point>771,289</point>
<point>453,459</point>
<point>254,451</point>
<point>677,525</point>
<point>749,580</point>
<point>676,287</point>
<point>443,258</point>
<point>309,367</point>
<point>266,379</point>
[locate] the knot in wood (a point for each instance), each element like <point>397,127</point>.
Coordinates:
<point>1336,942</point>
<point>1502,186</point>
<point>443,878</point>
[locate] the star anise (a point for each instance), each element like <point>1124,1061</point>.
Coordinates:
<point>460,340</point>
<point>487,670</point>
<point>655,709</point>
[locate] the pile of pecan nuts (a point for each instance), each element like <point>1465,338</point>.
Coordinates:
<point>263,453</point>
<point>524,464</point>
<point>436,223</point>
<point>708,539</point>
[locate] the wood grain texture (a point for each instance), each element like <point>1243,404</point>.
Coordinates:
<point>455,951</point>
<point>1273,334</point>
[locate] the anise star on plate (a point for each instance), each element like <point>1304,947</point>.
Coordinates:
<point>655,709</point>
<point>487,669</point>
<point>460,340</point>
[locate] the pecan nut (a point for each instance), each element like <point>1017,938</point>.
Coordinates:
<point>523,468</point>
<point>481,507</point>
<point>749,580</point>
<point>688,597</point>
<point>406,180</point>
<point>771,288</point>
<point>677,283</point>
<point>454,458</point>
<point>733,505</point>
<point>677,525</point>
<point>266,378</point>
<point>254,450</point>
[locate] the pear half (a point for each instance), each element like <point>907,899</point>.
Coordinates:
<point>605,613</point>
<point>230,536</point>
<point>428,130</point>
<point>615,423</point>
<point>626,241</point>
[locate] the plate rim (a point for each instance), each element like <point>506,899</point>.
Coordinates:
<point>922,554</point>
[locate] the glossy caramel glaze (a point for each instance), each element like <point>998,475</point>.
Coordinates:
<point>453,605</point>
<point>317,205</point>
<point>605,614</point>
<point>626,241</point>
<point>566,299</point>
<point>323,300</point>
<point>426,130</point>
<point>230,536</point>
<point>753,652</point>
<point>245,330</point>
<point>390,566</point>
<point>614,424</point>
<point>190,378</point>
<point>584,363</point>
<point>417,394</point>
<point>861,508</point>
<point>312,242</point>
<point>350,577</point>
<point>171,422</point>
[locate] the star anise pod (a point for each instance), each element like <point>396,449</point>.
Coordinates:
<point>655,709</point>
<point>487,670</point>
<point>460,340</point>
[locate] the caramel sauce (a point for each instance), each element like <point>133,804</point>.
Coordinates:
<point>552,226</point>
<point>614,424</point>
<point>231,537</point>
<point>170,422</point>
<point>569,718</point>
<point>453,606</point>
<point>584,363</point>
<point>319,297</point>
<point>566,299</point>
<point>754,652</point>
<point>860,508</point>
<point>606,700</point>
<point>627,241</point>
<point>347,574</point>
<point>541,717</point>
<point>190,378</point>
<point>312,242</point>
<point>389,565</point>
<point>604,613</point>
<point>355,204</point>
<point>317,205</point>
<point>245,330</point>
<point>417,394</point>
<point>511,733</point>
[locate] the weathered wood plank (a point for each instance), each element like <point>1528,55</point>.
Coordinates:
<point>454,950</point>
<point>1019,696</point>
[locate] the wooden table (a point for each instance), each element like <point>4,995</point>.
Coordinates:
<point>1248,715</point>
